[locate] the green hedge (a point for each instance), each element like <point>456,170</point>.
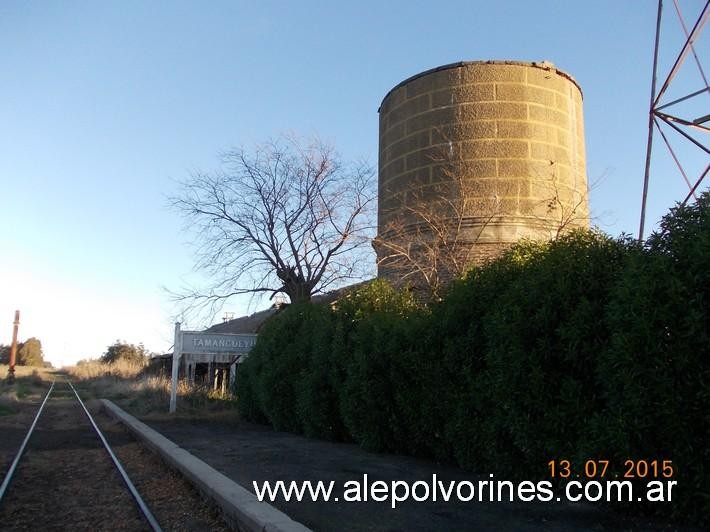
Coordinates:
<point>587,347</point>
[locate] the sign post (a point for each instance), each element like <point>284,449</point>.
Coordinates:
<point>177,352</point>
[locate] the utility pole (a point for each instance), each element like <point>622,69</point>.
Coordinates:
<point>13,349</point>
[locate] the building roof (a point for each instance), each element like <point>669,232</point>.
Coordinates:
<point>252,324</point>
<point>245,324</point>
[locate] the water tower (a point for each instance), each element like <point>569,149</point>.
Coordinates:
<point>477,155</point>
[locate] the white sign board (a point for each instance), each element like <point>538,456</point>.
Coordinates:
<point>204,343</point>
<point>201,342</point>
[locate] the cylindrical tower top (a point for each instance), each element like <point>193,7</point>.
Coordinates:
<point>474,156</point>
<point>544,65</point>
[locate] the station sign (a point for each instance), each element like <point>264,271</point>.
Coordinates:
<point>215,345</point>
<point>206,343</point>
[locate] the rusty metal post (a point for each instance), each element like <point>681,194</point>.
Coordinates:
<point>13,348</point>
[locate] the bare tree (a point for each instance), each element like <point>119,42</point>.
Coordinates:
<point>435,233</point>
<point>288,216</point>
<point>564,209</point>
<point>428,238</point>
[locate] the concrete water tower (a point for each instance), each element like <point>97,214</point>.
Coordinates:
<point>478,155</point>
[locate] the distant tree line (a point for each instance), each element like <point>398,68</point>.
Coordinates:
<point>29,353</point>
<point>123,351</point>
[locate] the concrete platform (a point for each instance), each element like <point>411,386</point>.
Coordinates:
<point>241,507</point>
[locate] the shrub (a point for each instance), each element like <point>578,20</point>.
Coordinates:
<point>373,330</point>
<point>587,347</point>
<point>317,391</point>
<point>459,336</point>
<point>654,376</point>
<point>122,351</point>
<point>545,334</point>
<point>245,389</point>
<point>274,369</point>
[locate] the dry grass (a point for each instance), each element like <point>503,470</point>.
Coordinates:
<point>22,372</point>
<point>30,382</point>
<point>128,385</point>
<point>93,369</point>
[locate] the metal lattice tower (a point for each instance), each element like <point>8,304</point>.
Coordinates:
<point>664,116</point>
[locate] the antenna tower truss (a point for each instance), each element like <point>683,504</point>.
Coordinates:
<point>667,117</point>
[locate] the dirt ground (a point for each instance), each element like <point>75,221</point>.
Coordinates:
<point>247,453</point>
<point>172,499</point>
<point>66,481</point>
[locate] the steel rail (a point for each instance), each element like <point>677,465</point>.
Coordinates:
<point>13,466</point>
<point>134,492</point>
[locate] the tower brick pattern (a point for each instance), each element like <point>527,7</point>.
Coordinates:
<point>496,148</point>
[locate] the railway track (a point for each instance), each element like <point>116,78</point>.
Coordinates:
<point>66,468</point>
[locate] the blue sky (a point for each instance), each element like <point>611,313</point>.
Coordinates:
<point>105,105</point>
